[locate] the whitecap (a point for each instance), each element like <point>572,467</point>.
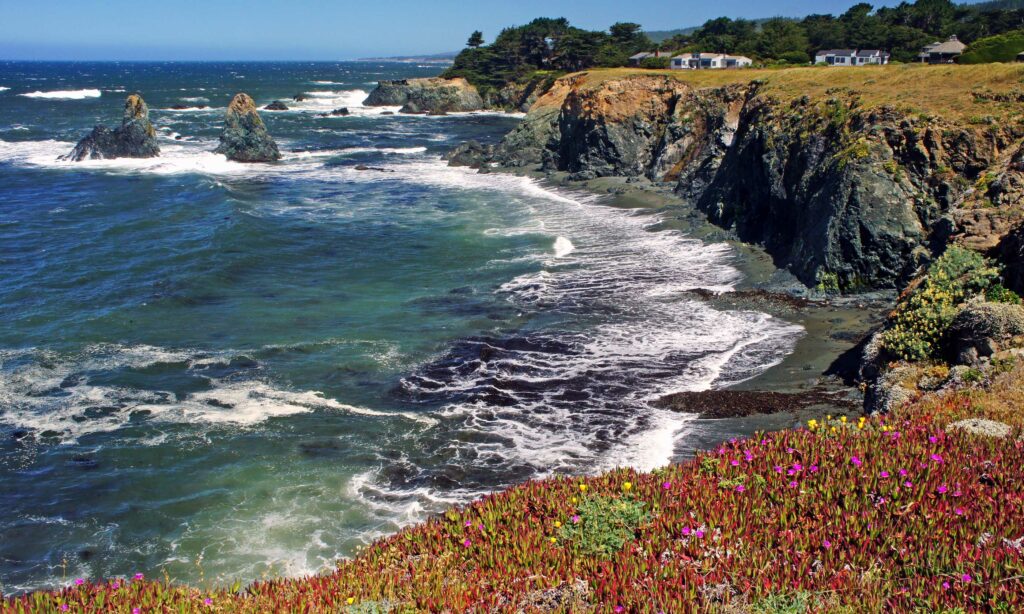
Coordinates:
<point>563,247</point>
<point>65,94</point>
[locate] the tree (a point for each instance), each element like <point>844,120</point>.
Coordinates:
<point>476,39</point>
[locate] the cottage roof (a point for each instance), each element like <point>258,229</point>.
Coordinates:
<point>837,52</point>
<point>950,46</point>
<point>642,55</point>
<point>870,53</point>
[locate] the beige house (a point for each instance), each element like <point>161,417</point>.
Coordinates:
<point>942,53</point>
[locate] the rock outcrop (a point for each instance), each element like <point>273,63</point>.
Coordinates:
<point>845,196</point>
<point>135,138</point>
<point>432,96</point>
<point>982,329</point>
<point>277,105</point>
<point>471,154</point>
<point>245,137</point>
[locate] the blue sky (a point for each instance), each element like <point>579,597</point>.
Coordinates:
<point>320,29</point>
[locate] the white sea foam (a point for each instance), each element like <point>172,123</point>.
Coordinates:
<point>50,392</point>
<point>4,89</point>
<point>65,94</point>
<point>563,247</point>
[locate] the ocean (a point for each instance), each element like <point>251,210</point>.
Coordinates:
<point>223,372</point>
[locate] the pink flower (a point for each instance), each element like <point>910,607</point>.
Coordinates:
<point>936,458</point>
<point>575,519</point>
<point>966,578</point>
<point>79,582</point>
<point>734,463</point>
<point>138,576</point>
<point>740,488</point>
<point>63,607</point>
<point>826,543</point>
<point>686,530</point>
<point>115,585</point>
<point>908,484</point>
<point>136,610</point>
<point>666,485</point>
<point>933,439</point>
<point>791,472</point>
<point>903,473</point>
<point>856,461</point>
<point>813,469</point>
<point>619,608</point>
<point>778,469</point>
<point>792,484</point>
<point>945,586</point>
<point>941,490</point>
<point>208,601</point>
<point>698,534</point>
<point>959,511</point>
<point>798,467</point>
<point>466,542</point>
<point>883,474</point>
<point>790,450</point>
<point>469,523</point>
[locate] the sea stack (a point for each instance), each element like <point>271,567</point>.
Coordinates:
<point>245,137</point>
<point>134,139</point>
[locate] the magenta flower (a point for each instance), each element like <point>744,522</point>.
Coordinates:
<point>619,608</point>
<point>959,511</point>
<point>740,488</point>
<point>686,530</point>
<point>936,458</point>
<point>136,610</point>
<point>778,469</point>
<point>63,607</point>
<point>208,601</point>
<point>945,586</point>
<point>941,490</point>
<point>933,439</point>
<point>138,576</point>
<point>466,542</point>
<point>903,473</point>
<point>883,474</point>
<point>966,578</point>
<point>813,469</point>
<point>908,484</point>
<point>666,485</point>
<point>734,463</point>
<point>115,585</point>
<point>79,582</point>
<point>826,543</point>
<point>856,461</point>
<point>698,534</point>
<point>792,484</point>
<point>575,519</point>
<point>790,450</point>
<point>469,523</point>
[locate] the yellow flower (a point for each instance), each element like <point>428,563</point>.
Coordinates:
<point>627,485</point>
<point>554,540</point>
<point>583,488</point>
<point>833,429</point>
<point>557,524</point>
<point>351,600</point>
<point>842,419</point>
<point>574,500</point>
<point>830,416</point>
<point>813,424</point>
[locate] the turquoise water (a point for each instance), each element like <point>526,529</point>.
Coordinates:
<point>232,371</point>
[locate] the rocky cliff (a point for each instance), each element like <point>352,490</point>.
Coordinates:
<point>431,95</point>
<point>245,137</point>
<point>844,187</point>
<point>135,138</point>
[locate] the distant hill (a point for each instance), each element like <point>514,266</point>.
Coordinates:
<point>433,58</point>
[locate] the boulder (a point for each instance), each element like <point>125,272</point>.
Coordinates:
<point>277,105</point>
<point>981,328</point>
<point>1011,254</point>
<point>136,137</point>
<point>300,97</point>
<point>245,137</point>
<point>471,154</point>
<point>432,96</point>
<point>982,427</point>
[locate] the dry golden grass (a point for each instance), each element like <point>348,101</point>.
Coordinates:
<point>1002,400</point>
<point>944,91</point>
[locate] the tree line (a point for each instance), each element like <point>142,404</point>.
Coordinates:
<point>555,45</point>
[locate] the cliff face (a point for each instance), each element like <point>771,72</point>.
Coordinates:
<point>844,195</point>
<point>430,95</point>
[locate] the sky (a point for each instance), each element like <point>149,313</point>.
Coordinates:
<point>321,29</point>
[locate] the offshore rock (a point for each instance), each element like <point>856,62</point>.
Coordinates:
<point>432,96</point>
<point>277,105</point>
<point>136,137</point>
<point>245,137</point>
<point>471,154</point>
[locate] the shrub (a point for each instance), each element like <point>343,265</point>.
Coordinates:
<point>603,525</point>
<point>655,63</point>
<point>999,48</point>
<point>1001,294</point>
<point>919,322</point>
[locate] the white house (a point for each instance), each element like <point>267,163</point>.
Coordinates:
<point>851,57</point>
<point>698,61</point>
<point>637,59</point>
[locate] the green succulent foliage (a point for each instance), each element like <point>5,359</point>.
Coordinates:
<point>605,525</point>
<point>920,320</point>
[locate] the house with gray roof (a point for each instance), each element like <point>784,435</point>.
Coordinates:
<point>942,53</point>
<point>851,57</point>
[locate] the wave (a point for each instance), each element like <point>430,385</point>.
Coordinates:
<point>65,94</point>
<point>563,247</point>
<point>69,396</point>
<point>4,89</point>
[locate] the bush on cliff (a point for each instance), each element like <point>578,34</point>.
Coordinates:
<point>999,48</point>
<point>918,324</point>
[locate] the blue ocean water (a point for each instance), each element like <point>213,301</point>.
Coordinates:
<point>230,371</point>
